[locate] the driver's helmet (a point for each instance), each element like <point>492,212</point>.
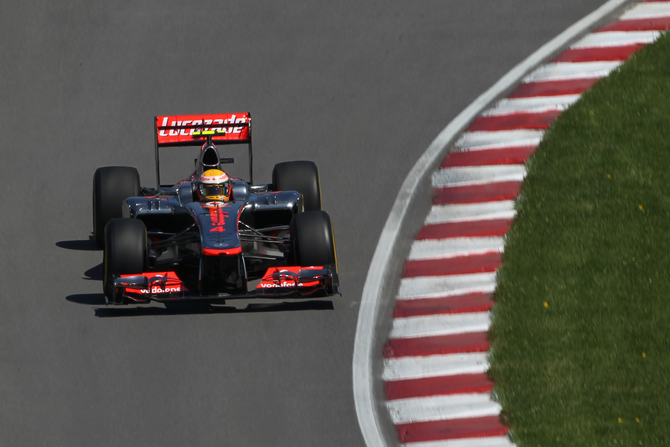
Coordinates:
<point>214,184</point>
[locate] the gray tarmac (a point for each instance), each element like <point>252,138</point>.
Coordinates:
<point>361,88</point>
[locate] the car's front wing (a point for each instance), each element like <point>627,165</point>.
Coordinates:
<point>278,282</point>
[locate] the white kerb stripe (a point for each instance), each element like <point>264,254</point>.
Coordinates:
<point>647,11</point>
<point>500,139</point>
<point>562,71</point>
<point>536,104</point>
<point>445,286</point>
<point>403,368</point>
<point>435,325</point>
<point>440,408</point>
<point>492,441</point>
<point>617,39</point>
<point>502,209</point>
<point>452,247</point>
<point>478,175</point>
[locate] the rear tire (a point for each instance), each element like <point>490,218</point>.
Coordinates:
<point>111,186</point>
<point>301,176</point>
<point>125,252</point>
<point>313,241</point>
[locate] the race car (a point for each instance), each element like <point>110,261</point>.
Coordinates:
<point>212,236</point>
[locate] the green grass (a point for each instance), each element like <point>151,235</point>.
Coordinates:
<point>592,241</point>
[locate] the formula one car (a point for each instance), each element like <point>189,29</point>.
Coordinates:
<point>177,243</point>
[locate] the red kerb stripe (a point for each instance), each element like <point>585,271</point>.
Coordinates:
<point>651,24</point>
<point>438,386</point>
<point>474,302</point>
<point>598,54</point>
<point>489,192</point>
<point>460,265</point>
<point>438,345</point>
<point>451,429</point>
<point>514,121</point>
<point>553,88</point>
<point>506,156</point>
<point>494,227</point>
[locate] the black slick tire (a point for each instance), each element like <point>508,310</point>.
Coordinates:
<point>313,241</point>
<point>301,176</point>
<point>125,252</point>
<point>111,186</point>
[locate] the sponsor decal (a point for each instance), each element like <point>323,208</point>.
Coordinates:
<point>276,283</point>
<point>279,285</point>
<point>171,278</point>
<point>215,204</point>
<point>157,289</point>
<point>206,125</point>
<point>270,282</point>
<point>207,177</point>
<point>218,217</point>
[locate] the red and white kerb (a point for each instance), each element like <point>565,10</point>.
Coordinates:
<point>435,359</point>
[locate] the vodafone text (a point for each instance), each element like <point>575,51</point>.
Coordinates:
<point>168,289</point>
<point>278,285</point>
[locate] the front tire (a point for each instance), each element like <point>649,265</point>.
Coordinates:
<point>111,186</point>
<point>301,176</point>
<point>125,252</point>
<point>313,240</point>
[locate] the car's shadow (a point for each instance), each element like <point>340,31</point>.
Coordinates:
<point>89,299</point>
<point>188,308</point>
<point>94,273</point>
<point>83,245</point>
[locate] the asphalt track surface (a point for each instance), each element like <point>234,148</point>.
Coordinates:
<point>361,89</point>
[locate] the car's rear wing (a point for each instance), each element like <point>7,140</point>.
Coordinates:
<point>196,130</point>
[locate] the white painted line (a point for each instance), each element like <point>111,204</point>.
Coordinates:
<point>535,104</point>
<point>436,325</point>
<point>439,408</point>
<point>617,39</point>
<point>472,141</point>
<point>444,286</point>
<point>458,246</point>
<point>403,368</point>
<point>647,11</point>
<point>363,379</point>
<point>492,441</point>
<point>478,175</point>
<point>563,71</point>
<point>503,209</point>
